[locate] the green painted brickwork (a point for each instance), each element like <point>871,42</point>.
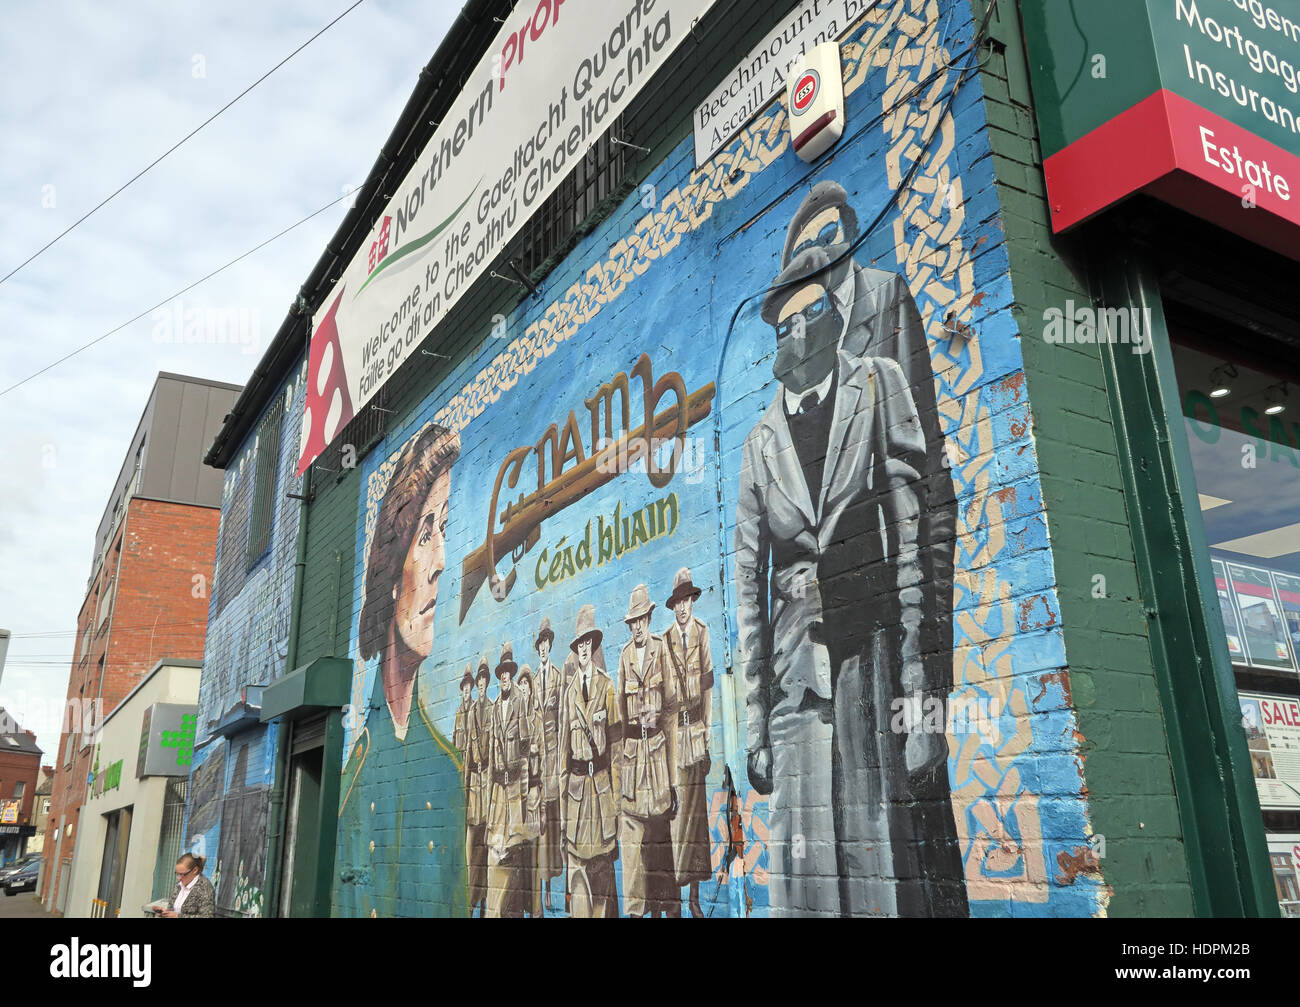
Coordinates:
<point>1112,678</point>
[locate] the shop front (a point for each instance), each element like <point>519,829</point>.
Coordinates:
<point>1170,155</point>
<point>131,822</point>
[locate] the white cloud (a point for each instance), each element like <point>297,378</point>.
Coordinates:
<point>91,93</point>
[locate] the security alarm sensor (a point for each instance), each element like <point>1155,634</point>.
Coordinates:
<point>814,90</point>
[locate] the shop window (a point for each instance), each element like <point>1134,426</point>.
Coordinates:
<point>1242,420</point>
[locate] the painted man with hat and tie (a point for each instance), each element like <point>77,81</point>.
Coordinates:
<point>507,832</point>
<point>646,798</point>
<point>589,730</point>
<point>549,687</point>
<point>687,643</point>
<point>882,320</point>
<point>831,620</point>
<point>460,732</point>
<point>531,743</point>
<point>479,723</point>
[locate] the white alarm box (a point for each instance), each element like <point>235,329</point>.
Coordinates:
<point>814,90</point>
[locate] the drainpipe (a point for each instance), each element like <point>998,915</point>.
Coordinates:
<point>275,806</point>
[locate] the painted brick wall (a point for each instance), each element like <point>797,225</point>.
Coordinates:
<point>1110,675</point>
<point>247,642</point>
<point>661,276</point>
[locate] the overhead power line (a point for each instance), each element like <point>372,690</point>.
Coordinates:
<point>170,150</point>
<point>172,297</point>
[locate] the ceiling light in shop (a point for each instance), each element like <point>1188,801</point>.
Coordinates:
<point>1219,380</point>
<point>1276,399</point>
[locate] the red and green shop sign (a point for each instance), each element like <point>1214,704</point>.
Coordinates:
<point>1196,102</point>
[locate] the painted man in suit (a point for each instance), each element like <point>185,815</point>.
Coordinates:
<point>646,797</point>
<point>507,832</point>
<point>883,321</point>
<point>531,742</point>
<point>549,687</point>
<point>687,642</point>
<point>831,616</point>
<point>589,731</point>
<point>476,790</point>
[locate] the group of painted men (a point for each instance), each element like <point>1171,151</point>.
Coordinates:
<point>566,769</point>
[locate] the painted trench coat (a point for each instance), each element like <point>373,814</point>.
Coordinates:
<point>588,812</point>
<point>831,617</point>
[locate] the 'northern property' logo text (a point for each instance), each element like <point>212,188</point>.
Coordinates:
<point>102,961</point>
<point>1086,324</point>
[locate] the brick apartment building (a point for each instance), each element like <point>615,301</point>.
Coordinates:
<point>147,596</point>
<point>41,809</point>
<point>20,763</point>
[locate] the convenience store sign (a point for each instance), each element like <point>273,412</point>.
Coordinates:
<point>1195,102</point>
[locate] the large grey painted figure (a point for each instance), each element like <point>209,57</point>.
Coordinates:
<point>842,600</point>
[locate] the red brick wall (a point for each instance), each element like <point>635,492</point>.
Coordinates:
<point>161,577</point>
<point>15,766</point>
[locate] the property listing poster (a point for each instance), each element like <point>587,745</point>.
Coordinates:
<point>1272,726</point>
<point>1288,593</point>
<point>1231,626</point>
<point>1262,625</point>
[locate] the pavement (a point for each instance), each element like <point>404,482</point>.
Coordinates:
<point>23,906</point>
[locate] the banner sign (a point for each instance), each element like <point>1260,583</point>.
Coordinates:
<point>9,812</point>
<point>1196,102</point>
<point>760,76</point>
<point>1272,726</point>
<point>557,75</point>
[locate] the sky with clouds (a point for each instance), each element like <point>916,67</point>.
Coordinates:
<point>89,94</point>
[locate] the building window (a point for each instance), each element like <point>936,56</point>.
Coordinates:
<point>265,470</point>
<point>105,604</point>
<point>45,806</point>
<point>19,788</point>
<point>596,177</point>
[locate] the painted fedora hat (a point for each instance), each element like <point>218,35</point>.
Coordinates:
<point>544,632</point>
<point>683,587</point>
<point>639,605</point>
<point>507,666</point>
<point>586,628</point>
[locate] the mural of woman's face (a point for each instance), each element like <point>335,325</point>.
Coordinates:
<point>416,597</point>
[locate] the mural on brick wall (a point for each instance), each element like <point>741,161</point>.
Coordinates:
<point>692,593</point>
<point>246,645</point>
